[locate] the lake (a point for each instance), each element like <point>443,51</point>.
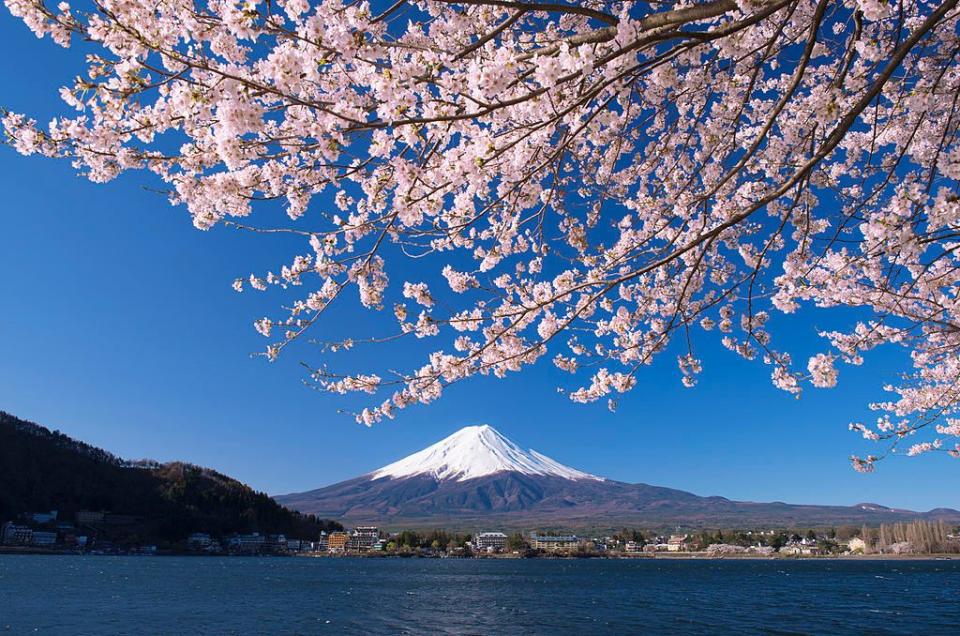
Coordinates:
<point>197,595</point>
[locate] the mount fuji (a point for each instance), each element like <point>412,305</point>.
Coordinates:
<point>474,452</point>
<point>479,476</point>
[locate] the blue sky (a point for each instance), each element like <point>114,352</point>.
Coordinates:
<point>118,326</point>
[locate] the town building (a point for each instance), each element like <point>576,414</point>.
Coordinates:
<point>247,543</point>
<point>321,544</point>
<point>490,542</point>
<point>337,541</point>
<point>633,547</point>
<point>800,548</point>
<point>676,543</point>
<point>43,537</point>
<point>16,534</point>
<point>363,538</point>
<point>552,543</point>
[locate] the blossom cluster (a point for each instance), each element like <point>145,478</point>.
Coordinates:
<point>590,179</point>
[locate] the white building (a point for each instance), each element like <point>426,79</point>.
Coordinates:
<point>799,548</point>
<point>676,543</point>
<point>490,542</point>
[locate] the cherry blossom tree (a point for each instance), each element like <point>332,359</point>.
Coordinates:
<point>589,180</point>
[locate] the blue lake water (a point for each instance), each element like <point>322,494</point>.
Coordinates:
<point>173,595</point>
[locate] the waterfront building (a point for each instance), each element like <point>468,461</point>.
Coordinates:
<point>247,542</point>
<point>490,542</point>
<point>337,541</point>
<point>552,543</point>
<point>321,545</point>
<point>800,548</point>
<point>363,538</point>
<point>16,534</point>
<point>633,547</point>
<point>356,543</point>
<point>676,543</point>
<point>43,537</point>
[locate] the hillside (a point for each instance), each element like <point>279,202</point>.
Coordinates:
<point>43,470</point>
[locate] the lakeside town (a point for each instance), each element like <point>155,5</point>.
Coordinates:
<point>97,532</point>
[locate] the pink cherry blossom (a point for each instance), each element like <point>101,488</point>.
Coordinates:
<point>596,182</point>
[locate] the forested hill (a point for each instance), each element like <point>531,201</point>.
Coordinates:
<point>43,470</point>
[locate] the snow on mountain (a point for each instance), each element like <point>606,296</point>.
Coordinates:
<point>478,478</point>
<point>477,451</point>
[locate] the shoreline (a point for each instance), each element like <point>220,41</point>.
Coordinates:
<point>674,556</point>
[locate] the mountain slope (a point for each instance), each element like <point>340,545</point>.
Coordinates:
<point>43,470</point>
<point>477,476</point>
<point>477,451</point>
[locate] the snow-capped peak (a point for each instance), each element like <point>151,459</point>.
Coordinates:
<point>477,451</point>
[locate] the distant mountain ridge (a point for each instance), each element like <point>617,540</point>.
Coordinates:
<point>479,477</point>
<point>42,470</point>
